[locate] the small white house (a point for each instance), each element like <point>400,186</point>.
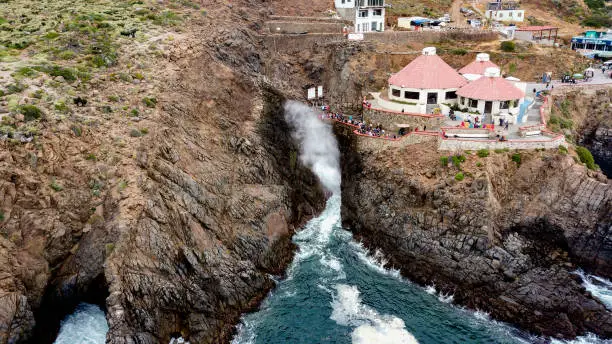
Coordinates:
<point>506,15</point>
<point>367,15</point>
<point>492,95</point>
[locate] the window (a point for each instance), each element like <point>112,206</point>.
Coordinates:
<point>451,95</point>
<point>375,2</point>
<point>473,103</point>
<point>343,2</point>
<point>358,27</point>
<point>411,95</point>
<point>363,14</point>
<point>396,93</point>
<point>377,13</point>
<point>504,105</point>
<point>519,14</point>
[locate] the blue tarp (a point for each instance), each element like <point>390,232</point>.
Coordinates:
<point>420,21</point>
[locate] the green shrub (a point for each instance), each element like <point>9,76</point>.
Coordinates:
<point>459,51</point>
<point>51,35</point>
<point>134,113</point>
<point>149,102</point>
<point>30,112</point>
<point>1,216</point>
<point>113,98</point>
<point>562,150</point>
<point>144,131</point>
<point>61,107</point>
<point>459,176</point>
<point>25,72</point>
<point>483,153</point>
<point>135,133</point>
<point>138,76</point>
<point>55,70</point>
<point>508,46</point>
<point>55,186</point>
<point>91,156</point>
<point>598,20</point>
<point>458,159</point>
<point>15,88</point>
<point>479,164</point>
<point>586,157</point>
<point>77,130</point>
<point>444,161</point>
<point>66,55</point>
<point>516,157</point>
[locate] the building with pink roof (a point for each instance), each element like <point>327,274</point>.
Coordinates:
<point>423,84</point>
<point>492,95</point>
<point>477,68</point>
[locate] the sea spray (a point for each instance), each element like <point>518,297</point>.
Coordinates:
<point>318,146</point>
<point>87,325</point>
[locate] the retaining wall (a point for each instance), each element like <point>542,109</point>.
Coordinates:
<point>389,120</point>
<point>285,27</point>
<point>465,144</point>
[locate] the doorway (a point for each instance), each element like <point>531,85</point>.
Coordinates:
<point>432,98</point>
<point>488,107</point>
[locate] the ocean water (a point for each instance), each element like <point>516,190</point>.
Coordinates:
<point>337,292</point>
<point>87,325</point>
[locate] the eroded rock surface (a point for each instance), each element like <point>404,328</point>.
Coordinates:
<point>505,240</point>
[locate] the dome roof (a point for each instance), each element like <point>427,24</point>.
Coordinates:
<point>491,88</point>
<point>427,71</point>
<point>479,65</point>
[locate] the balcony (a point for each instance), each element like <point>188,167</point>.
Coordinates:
<point>370,3</point>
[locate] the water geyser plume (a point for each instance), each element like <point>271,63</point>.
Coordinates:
<point>318,146</point>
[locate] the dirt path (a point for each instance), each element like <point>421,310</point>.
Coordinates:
<point>458,20</point>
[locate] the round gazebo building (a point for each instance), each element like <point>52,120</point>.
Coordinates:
<point>492,95</point>
<point>423,84</point>
<point>476,69</point>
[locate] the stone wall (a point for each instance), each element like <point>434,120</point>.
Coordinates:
<point>291,43</point>
<point>286,27</point>
<point>389,120</point>
<point>376,143</point>
<point>465,144</point>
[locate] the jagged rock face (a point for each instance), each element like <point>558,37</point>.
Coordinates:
<point>504,240</point>
<point>184,226</point>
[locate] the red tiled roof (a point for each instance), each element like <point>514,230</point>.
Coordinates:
<point>536,28</point>
<point>477,67</point>
<point>427,72</point>
<point>491,88</point>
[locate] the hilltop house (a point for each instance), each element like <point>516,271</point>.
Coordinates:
<point>367,15</point>
<point>505,11</point>
<point>546,35</point>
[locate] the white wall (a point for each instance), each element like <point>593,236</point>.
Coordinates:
<point>506,15</point>
<point>344,4</point>
<point>364,24</point>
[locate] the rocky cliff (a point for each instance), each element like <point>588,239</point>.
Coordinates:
<point>505,239</point>
<point>172,215</point>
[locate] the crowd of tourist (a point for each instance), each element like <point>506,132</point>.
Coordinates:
<point>363,128</point>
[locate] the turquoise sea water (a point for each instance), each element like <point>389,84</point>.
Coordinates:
<point>335,292</point>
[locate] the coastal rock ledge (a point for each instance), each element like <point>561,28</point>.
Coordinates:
<point>507,239</point>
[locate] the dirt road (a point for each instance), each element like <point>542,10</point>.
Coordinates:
<point>458,20</point>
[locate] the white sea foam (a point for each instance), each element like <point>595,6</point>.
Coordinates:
<point>446,298</point>
<point>431,289</point>
<point>600,287</point>
<point>87,325</point>
<point>370,326</point>
<point>482,315</point>
<point>376,261</point>
<point>587,339</point>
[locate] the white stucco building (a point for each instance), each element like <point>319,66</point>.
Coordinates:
<point>367,15</point>
<point>422,85</point>
<point>492,95</point>
<point>506,15</point>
